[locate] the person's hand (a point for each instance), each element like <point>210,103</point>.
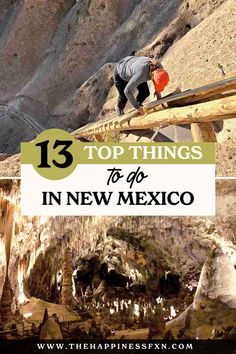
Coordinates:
<point>158,95</point>
<point>141,110</point>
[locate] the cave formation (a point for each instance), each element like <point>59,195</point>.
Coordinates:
<point>96,277</point>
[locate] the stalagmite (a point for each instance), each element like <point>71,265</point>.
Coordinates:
<point>217,281</point>
<point>50,330</point>
<point>6,302</point>
<point>214,302</point>
<point>67,287</point>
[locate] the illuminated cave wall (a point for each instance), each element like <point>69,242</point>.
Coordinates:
<point>143,248</point>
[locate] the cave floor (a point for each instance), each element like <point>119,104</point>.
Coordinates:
<point>141,333</point>
<point>36,308</point>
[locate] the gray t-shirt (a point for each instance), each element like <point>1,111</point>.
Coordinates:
<point>135,70</point>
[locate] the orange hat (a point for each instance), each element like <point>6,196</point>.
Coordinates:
<point>161,79</point>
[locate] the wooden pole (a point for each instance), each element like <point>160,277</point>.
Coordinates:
<point>203,132</point>
<point>99,138</point>
<point>212,91</point>
<point>220,109</point>
<point>197,94</point>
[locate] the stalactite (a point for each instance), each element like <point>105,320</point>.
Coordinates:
<point>9,229</point>
<point>22,299</point>
<point>67,270</point>
<point>8,206</point>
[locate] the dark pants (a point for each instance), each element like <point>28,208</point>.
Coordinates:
<point>143,91</point>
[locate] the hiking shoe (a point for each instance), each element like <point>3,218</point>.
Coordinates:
<point>120,112</point>
<point>218,126</point>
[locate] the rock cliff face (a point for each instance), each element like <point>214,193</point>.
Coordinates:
<point>56,57</point>
<point>40,254</point>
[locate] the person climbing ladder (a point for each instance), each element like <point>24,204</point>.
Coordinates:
<point>133,73</point>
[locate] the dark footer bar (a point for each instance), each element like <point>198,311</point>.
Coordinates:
<point>113,347</point>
